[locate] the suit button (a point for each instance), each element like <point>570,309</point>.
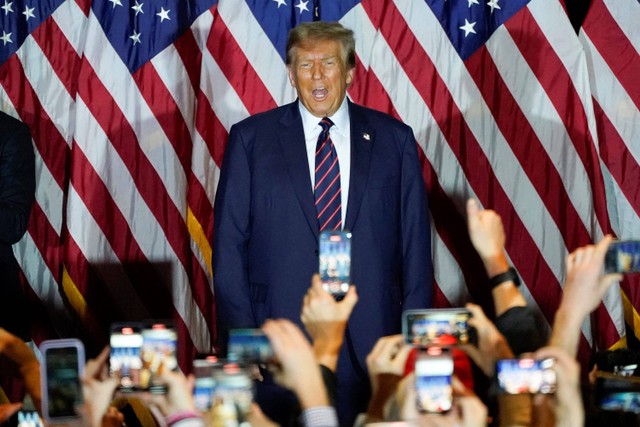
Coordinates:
<point>317,252</point>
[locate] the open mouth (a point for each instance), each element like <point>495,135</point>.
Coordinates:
<point>320,94</point>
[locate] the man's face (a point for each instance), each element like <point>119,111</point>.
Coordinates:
<point>320,76</point>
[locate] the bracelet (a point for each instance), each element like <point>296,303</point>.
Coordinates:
<point>181,416</point>
<point>510,275</point>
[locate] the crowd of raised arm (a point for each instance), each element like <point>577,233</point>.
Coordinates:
<point>305,361</point>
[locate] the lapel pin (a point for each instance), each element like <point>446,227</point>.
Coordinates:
<point>366,136</point>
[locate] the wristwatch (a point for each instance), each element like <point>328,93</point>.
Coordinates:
<point>511,274</point>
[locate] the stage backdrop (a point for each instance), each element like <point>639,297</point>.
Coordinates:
<point>130,103</point>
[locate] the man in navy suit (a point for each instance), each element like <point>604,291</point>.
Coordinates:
<point>17,192</point>
<point>266,223</point>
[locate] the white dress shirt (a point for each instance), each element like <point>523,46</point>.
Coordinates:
<point>340,135</point>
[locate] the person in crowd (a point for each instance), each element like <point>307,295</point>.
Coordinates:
<point>322,163</point>
<point>514,319</point>
<point>325,320</point>
<point>17,193</point>
<point>299,371</point>
<point>564,408</point>
<point>584,288</point>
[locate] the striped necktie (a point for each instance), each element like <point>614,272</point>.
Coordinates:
<point>327,188</point>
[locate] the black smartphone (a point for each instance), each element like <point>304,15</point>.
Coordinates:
<point>526,376</point>
<point>617,393</point>
<point>437,327</point>
<point>335,262</point>
<point>249,346</point>
<point>623,256</point>
<point>62,367</point>
<point>433,372</point>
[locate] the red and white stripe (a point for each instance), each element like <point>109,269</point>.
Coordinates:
<point>611,39</point>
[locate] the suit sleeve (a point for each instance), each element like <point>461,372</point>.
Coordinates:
<point>17,182</point>
<point>231,237</point>
<point>416,231</point>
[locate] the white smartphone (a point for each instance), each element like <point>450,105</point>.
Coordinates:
<point>62,368</point>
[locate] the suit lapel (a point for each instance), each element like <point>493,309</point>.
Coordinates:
<point>362,140</point>
<point>292,141</point>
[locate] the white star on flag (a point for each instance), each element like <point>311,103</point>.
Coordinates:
<point>302,6</point>
<point>6,38</point>
<point>472,2</point>
<point>135,37</point>
<point>138,7</point>
<point>28,13</point>
<point>468,27</point>
<point>116,3</point>
<point>7,7</point>
<point>493,4</point>
<point>163,14</point>
<point>280,3</point>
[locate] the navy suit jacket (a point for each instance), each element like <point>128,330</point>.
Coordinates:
<point>17,192</point>
<point>266,231</point>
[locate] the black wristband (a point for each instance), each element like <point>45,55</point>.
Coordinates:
<point>509,275</point>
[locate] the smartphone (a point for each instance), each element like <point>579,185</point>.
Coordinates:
<point>526,376</point>
<point>433,371</point>
<point>158,353</point>
<point>125,358</point>
<point>617,393</point>
<point>249,346</point>
<point>335,262</point>
<point>62,366</point>
<point>204,384</point>
<point>437,327</point>
<point>232,395</point>
<point>623,256</point>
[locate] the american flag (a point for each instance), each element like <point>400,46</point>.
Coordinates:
<point>130,103</point>
<point>611,39</point>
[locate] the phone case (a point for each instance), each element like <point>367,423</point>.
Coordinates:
<point>61,371</point>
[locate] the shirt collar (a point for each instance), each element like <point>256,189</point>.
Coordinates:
<point>340,118</point>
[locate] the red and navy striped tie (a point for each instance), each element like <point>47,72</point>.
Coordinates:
<point>327,188</point>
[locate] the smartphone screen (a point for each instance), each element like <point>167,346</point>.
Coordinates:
<point>617,393</point>
<point>158,353</point>
<point>436,327</point>
<point>526,376</point>
<point>233,394</point>
<point>623,256</point>
<point>433,372</point>
<point>335,262</point>
<point>249,346</point>
<point>63,363</point>
<point>204,384</point>
<point>125,361</point>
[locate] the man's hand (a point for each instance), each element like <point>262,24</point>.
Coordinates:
<point>488,237</point>
<point>566,403</point>
<point>584,289</point>
<point>179,396</point>
<point>97,388</point>
<point>299,371</point>
<point>325,319</point>
<point>491,343</point>
<point>586,285</point>
<point>386,363</point>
